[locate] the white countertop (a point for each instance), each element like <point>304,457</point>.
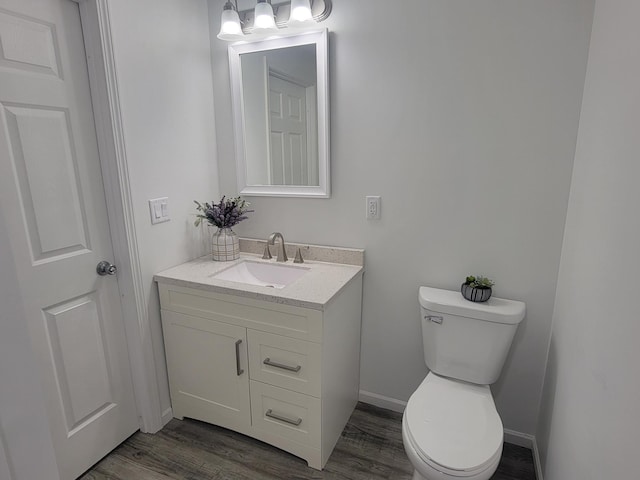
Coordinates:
<point>313,290</point>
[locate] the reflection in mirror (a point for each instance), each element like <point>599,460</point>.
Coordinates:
<point>280,114</point>
<point>279,109</point>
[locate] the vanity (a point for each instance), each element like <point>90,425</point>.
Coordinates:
<point>276,361</point>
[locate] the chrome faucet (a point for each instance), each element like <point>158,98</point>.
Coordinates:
<point>282,254</point>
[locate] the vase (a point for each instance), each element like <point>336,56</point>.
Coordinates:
<point>475,294</point>
<point>225,245</point>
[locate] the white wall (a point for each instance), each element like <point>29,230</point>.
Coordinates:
<point>463,116</point>
<point>26,448</point>
<point>297,62</point>
<point>589,420</point>
<point>164,76</point>
<point>5,472</point>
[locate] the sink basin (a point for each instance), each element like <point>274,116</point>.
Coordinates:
<point>262,274</point>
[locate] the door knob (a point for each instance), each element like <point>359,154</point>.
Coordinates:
<point>106,268</point>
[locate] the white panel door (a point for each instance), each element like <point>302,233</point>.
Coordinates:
<point>288,132</point>
<point>52,199</point>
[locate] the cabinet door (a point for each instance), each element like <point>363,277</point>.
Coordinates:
<point>207,365</point>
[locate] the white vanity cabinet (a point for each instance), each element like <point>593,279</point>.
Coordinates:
<point>284,374</point>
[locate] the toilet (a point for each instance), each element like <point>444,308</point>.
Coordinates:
<point>450,427</point>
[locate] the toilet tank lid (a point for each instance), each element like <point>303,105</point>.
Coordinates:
<point>498,310</point>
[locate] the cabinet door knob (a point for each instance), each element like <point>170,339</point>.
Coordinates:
<point>271,363</point>
<point>239,371</point>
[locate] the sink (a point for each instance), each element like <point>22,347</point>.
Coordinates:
<point>263,274</point>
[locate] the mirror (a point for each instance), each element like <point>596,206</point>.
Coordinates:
<point>281,115</point>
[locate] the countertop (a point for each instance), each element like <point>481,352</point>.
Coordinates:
<point>314,289</point>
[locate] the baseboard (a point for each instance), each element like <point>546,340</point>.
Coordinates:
<point>167,415</point>
<point>518,438</point>
<point>527,441</point>
<point>536,460</point>
<point>381,401</point>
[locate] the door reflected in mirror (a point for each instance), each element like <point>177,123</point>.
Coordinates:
<point>280,115</point>
<point>279,108</point>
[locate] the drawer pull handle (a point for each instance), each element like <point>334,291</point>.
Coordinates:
<point>239,371</point>
<point>296,422</point>
<point>271,363</point>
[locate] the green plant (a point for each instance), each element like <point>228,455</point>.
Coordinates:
<point>479,282</point>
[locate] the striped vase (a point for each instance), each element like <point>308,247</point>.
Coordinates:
<point>475,294</point>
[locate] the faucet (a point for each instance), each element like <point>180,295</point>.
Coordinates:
<point>282,254</point>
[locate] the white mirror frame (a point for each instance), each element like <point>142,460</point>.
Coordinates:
<point>319,39</point>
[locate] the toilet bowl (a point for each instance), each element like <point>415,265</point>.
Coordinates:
<point>451,429</point>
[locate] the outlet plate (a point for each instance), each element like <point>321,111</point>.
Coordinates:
<point>373,207</point>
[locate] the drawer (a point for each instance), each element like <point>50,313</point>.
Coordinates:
<point>295,322</point>
<point>285,414</point>
<point>285,362</point>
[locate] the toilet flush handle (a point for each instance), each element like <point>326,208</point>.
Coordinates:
<point>434,318</point>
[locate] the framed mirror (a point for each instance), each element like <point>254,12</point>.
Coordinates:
<point>281,115</point>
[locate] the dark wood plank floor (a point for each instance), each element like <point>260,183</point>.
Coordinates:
<point>370,448</point>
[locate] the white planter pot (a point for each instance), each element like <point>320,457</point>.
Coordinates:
<point>225,245</point>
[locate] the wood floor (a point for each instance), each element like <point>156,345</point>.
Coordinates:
<point>370,448</point>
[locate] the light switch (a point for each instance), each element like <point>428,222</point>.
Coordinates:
<point>159,209</point>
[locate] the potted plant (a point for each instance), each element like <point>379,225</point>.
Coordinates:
<point>477,289</point>
<point>228,212</point>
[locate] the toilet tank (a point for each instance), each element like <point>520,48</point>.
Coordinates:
<point>466,340</point>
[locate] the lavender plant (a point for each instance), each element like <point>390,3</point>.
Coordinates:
<point>225,214</point>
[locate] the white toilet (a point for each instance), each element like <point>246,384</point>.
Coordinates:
<point>450,428</point>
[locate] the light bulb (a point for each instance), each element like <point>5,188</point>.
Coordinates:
<point>230,28</point>
<point>264,20</point>
<point>300,12</point>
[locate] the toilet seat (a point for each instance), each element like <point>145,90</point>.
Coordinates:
<point>453,426</point>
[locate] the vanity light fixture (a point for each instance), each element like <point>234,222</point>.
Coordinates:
<point>230,27</point>
<point>271,18</point>
<point>264,20</point>
<point>300,12</point>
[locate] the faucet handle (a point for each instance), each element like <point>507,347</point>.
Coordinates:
<point>267,253</point>
<point>298,258</point>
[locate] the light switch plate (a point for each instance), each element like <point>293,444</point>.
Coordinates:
<point>159,210</point>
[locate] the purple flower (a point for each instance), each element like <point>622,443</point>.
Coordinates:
<point>225,214</point>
